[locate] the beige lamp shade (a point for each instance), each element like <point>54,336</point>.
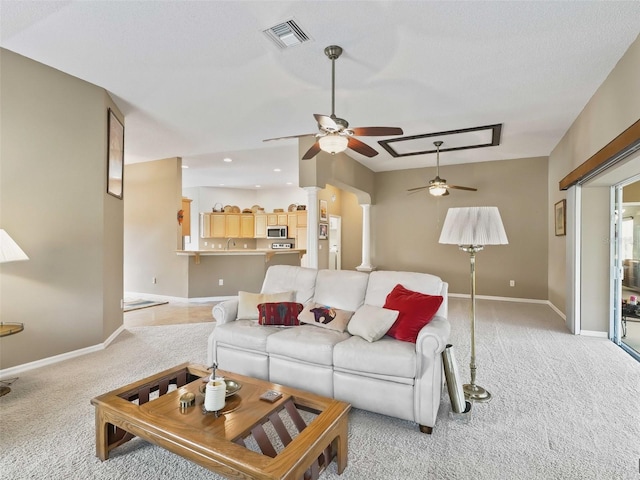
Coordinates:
<point>9,249</point>
<point>473,226</point>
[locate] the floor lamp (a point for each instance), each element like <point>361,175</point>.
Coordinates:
<point>471,228</point>
<point>9,252</point>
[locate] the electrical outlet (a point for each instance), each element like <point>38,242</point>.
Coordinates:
<point>205,244</point>
<point>219,245</point>
<point>245,245</point>
<point>154,280</point>
<point>512,283</point>
<point>220,282</point>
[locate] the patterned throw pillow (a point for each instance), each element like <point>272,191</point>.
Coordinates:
<point>325,316</point>
<point>416,310</point>
<point>247,302</point>
<point>279,313</point>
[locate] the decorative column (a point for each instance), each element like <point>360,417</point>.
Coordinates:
<point>313,218</point>
<point>366,240</point>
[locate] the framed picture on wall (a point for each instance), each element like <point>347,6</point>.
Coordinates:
<point>324,217</point>
<point>323,231</point>
<point>115,155</point>
<point>561,218</point>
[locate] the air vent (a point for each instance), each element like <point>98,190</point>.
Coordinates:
<point>287,34</point>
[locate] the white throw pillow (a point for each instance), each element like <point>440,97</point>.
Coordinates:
<point>248,302</point>
<point>371,323</point>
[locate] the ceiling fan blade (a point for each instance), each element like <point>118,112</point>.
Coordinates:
<point>463,188</point>
<point>290,136</point>
<point>312,152</point>
<point>325,121</point>
<point>360,147</point>
<point>376,131</point>
<point>417,188</point>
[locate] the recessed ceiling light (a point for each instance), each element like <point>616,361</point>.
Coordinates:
<point>221,184</point>
<point>185,166</point>
<point>257,186</point>
<point>289,183</point>
<point>277,170</point>
<point>227,160</point>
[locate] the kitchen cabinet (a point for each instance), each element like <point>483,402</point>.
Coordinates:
<point>260,226</point>
<point>247,226</point>
<point>232,223</point>
<point>272,219</point>
<point>186,217</point>
<point>218,225</point>
<point>205,225</point>
<point>282,219</point>
<point>292,224</point>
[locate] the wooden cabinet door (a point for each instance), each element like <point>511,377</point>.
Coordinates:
<point>302,218</point>
<point>205,225</point>
<point>186,217</point>
<point>247,226</point>
<point>282,219</point>
<point>301,237</point>
<point>261,226</point>
<point>233,225</point>
<point>272,219</point>
<point>292,225</point>
<point>218,226</point>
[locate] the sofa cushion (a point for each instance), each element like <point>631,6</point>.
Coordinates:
<point>305,343</point>
<point>343,289</point>
<point>371,323</point>
<point>245,334</point>
<point>416,310</point>
<point>284,278</point>
<point>248,302</point>
<point>325,316</point>
<point>384,357</point>
<point>381,282</point>
<point>280,313</point>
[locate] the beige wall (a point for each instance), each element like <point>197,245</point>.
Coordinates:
<point>153,196</point>
<point>612,109</point>
<point>406,227</point>
<point>53,202</point>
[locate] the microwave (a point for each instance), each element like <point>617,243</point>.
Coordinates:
<point>276,232</point>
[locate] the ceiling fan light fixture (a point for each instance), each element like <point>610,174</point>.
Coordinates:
<point>333,143</point>
<point>437,190</point>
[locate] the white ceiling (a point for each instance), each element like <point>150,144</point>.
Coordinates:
<point>201,81</point>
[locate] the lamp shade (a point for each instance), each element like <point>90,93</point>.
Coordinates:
<point>333,143</point>
<point>473,226</point>
<point>9,250</point>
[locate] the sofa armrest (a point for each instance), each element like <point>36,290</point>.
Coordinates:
<point>434,336</point>
<point>225,312</point>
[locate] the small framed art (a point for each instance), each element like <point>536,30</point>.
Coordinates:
<point>323,231</point>
<point>324,216</point>
<point>561,218</point>
<point>115,155</point>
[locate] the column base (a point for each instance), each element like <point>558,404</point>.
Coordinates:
<point>365,268</point>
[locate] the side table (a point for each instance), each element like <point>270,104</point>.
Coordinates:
<point>6,329</point>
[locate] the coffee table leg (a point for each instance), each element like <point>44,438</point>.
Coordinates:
<point>342,445</point>
<point>102,435</point>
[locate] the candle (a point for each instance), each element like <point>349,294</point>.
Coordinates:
<point>215,392</point>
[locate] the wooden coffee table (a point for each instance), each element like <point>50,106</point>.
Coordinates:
<point>219,442</point>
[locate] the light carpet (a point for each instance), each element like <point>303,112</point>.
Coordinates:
<point>564,407</point>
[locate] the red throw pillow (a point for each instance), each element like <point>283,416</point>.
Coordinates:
<point>416,310</point>
<point>279,313</point>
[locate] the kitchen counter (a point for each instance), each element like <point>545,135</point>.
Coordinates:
<point>267,252</point>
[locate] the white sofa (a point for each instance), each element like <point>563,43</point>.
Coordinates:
<point>388,376</point>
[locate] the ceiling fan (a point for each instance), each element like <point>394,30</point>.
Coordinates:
<point>334,134</point>
<point>438,186</point>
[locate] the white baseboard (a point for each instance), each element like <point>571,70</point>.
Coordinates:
<point>512,299</point>
<point>18,369</point>
<point>594,333</point>
<point>167,298</point>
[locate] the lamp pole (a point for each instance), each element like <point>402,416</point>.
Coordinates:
<point>473,392</point>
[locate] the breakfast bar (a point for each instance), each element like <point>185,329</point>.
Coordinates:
<point>222,273</point>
